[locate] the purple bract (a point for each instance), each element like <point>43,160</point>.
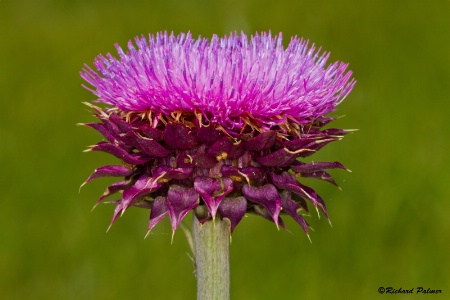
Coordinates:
<point>216,127</point>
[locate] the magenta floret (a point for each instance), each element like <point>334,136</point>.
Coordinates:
<point>224,78</point>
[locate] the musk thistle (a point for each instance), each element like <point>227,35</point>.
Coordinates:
<point>216,127</point>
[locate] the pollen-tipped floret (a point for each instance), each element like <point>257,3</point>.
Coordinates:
<point>216,127</point>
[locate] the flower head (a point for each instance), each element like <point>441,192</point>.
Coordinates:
<point>216,126</point>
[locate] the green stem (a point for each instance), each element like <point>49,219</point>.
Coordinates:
<point>211,242</point>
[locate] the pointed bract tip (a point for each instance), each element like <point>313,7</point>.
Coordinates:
<point>94,207</point>
<point>351,130</point>
<point>79,189</point>
<point>89,149</point>
<point>147,234</point>
<point>173,234</point>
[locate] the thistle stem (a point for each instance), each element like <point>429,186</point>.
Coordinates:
<point>211,242</point>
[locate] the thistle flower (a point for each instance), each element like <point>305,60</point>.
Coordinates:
<point>216,127</point>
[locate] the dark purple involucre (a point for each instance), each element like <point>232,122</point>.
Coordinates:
<point>217,126</point>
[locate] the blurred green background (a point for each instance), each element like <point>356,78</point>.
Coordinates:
<point>390,222</point>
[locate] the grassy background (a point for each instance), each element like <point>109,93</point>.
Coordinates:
<point>390,222</point>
